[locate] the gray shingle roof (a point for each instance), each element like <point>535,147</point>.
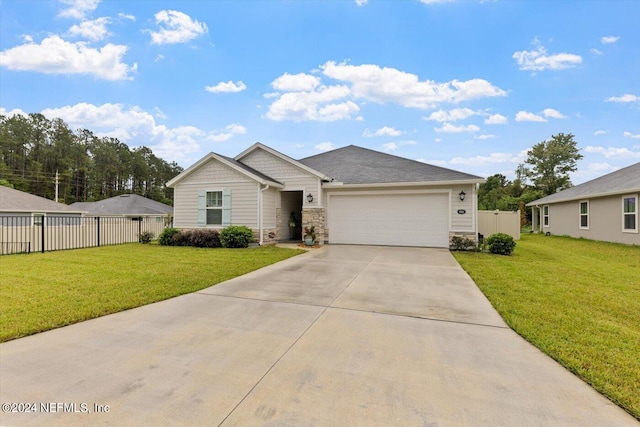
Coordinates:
<point>357,165</point>
<point>12,200</point>
<point>625,180</point>
<point>124,204</point>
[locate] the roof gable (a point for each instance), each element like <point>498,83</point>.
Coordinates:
<point>18,201</point>
<point>229,162</point>
<point>357,165</point>
<point>625,180</point>
<point>299,165</point>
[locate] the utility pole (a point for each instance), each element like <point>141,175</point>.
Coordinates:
<point>56,186</point>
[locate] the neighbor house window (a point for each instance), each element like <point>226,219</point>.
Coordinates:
<point>630,214</point>
<point>214,208</point>
<point>584,215</point>
<point>545,215</point>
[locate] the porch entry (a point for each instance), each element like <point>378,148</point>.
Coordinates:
<point>291,212</point>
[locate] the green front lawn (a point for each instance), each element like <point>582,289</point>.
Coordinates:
<point>45,291</point>
<point>576,300</point>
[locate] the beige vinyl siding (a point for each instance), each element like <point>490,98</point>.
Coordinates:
<point>215,176</point>
<point>293,177</point>
<point>462,222</point>
<point>605,220</point>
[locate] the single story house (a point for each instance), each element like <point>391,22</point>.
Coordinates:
<point>604,208</point>
<point>22,209</point>
<point>351,195</point>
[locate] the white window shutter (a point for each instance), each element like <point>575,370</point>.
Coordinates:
<point>226,207</point>
<point>202,208</point>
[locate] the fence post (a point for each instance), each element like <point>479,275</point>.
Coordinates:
<point>42,232</point>
<point>98,219</point>
<point>139,228</point>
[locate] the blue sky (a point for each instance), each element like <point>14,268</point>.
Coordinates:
<point>469,85</point>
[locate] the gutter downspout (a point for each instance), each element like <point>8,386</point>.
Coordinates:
<point>261,215</point>
<point>475,212</point>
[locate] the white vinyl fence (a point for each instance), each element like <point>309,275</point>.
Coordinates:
<point>492,222</point>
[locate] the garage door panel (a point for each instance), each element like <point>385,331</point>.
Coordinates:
<point>390,219</point>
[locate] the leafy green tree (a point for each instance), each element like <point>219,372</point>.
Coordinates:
<point>551,162</point>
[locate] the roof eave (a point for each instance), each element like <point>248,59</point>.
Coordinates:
<point>583,197</point>
<point>402,184</point>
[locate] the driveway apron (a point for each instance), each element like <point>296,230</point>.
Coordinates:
<point>342,335</point>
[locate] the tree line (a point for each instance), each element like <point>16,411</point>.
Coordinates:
<point>544,172</point>
<point>34,150</point>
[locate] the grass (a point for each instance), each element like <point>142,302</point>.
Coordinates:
<point>576,300</point>
<point>39,292</point>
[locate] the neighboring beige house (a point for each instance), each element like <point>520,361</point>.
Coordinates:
<point>605,208</point>
<point>351,195</point>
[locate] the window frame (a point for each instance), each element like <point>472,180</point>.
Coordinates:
<point>634,213</point>
<point>545,216</point>
<point>581,214</point>
<point>208,208</point>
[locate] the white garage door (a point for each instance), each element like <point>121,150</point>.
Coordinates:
<point>390,219</point>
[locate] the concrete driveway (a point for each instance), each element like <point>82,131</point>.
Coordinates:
<point>342,335</point>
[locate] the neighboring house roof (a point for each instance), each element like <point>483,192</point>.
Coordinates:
<point>357,165</point>
<point>125,204</point>
<point>625,180</point>
<point>18,201</point>
<point>284,157</point>
<point>232,163</point>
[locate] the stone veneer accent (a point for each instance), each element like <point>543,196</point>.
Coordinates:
<point>279,224</point>
<point>468,234</point>
<point>266,240</point>
<point>314,217</point>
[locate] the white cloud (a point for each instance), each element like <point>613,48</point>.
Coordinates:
<point>491,159</point>
<point>159,58</point>
<point>486,136</point>
<point>389,147</point>
<point>296,82</point>
<point>600,132</point>
<point>630,135</point>
<point>608,152</point>
<point>436,1</point>
<point>609,39</point>
<point>554,114</point>
<point>325,146</point>
<point>539,60</point>
<point>133,126</point>
<point>57,56</point>
<point>126,16</point>
<point>227,133</point>
<point>227,87</point>
<point>496,119</point>
<point>451,115</point>
<point>449,128</point>
<point>383,131</point>
<point>176,27</point>
<point>596,51</point>
<point>383,84</point>
<point>314,105</point>
<point>525,116</point>
<point>78,9</point>
<point>159,113</point>
<point>361,2</point>
<point>11,113</point>
<point>91,30</point>
<point>627,97</point>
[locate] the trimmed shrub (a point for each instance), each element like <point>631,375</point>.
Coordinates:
<point>236,236</point>
<point>181,238</point>
<point>205,239</point>
<point>462,244</point>
<point>146,237</point>
<point>501,244</point>
<point>166,237</point>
